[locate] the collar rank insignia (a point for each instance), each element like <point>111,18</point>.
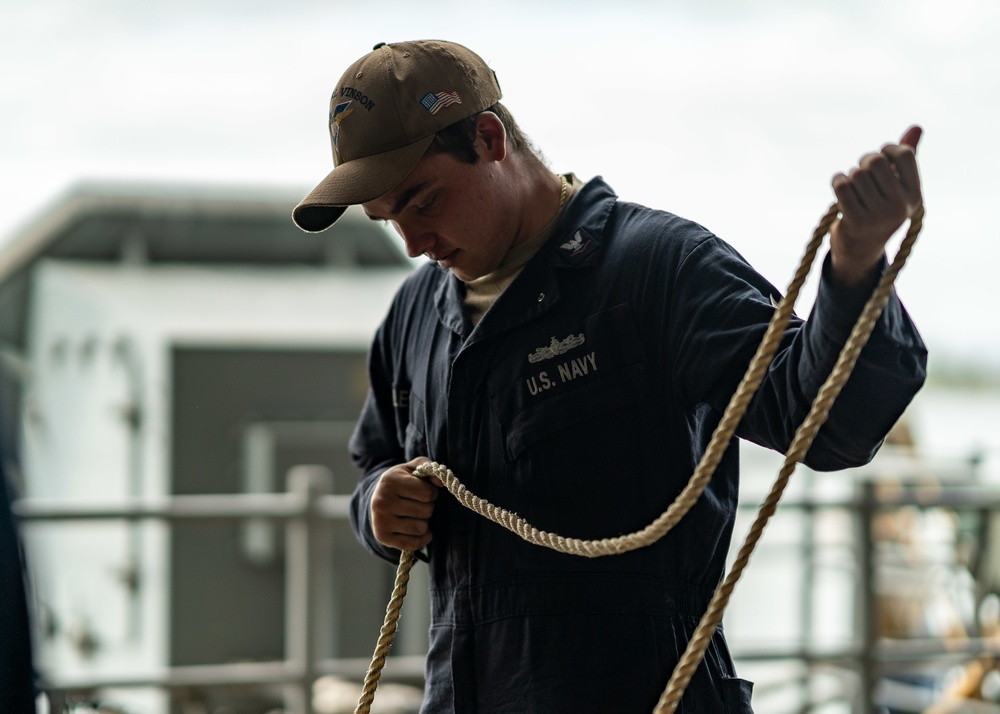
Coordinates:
<point>578,247</point>
<point>574,245</point>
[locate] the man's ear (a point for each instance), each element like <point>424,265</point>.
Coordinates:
<point>491,137</point>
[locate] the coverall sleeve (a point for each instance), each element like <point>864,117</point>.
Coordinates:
<point>727,307</point>
<point>374,445</point>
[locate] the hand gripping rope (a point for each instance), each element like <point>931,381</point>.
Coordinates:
<point>734,412</point>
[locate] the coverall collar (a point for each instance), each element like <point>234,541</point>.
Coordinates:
<point>575,244</point>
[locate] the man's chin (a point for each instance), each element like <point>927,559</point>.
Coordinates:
<point>460,270</point>
<point>462,273</point>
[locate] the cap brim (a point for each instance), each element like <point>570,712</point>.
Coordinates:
<point>357,181</point>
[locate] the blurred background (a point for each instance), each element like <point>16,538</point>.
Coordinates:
<point>181,367</point>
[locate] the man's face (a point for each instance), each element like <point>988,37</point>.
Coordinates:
<point>452,212</point>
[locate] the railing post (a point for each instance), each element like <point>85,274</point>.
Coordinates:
<point>57,702</point>
<point>304,544</point>
<point>806,629</point>
<point>867,602</point>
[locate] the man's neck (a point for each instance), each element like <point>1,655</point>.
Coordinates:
<point>540,197</point>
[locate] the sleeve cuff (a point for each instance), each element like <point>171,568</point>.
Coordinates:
<point>837,310</point>
<point>841,306</point>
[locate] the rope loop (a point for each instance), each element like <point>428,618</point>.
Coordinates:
<point>723,434</point>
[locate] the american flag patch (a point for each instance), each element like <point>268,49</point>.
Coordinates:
<point>435,101</point>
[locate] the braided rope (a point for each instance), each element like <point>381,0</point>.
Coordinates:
<point>801,442</point>
<point>714,452</point>
<point>717,445</point>
<point>387,633</point>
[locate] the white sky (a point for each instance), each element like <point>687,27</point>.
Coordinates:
<point>733,113</point>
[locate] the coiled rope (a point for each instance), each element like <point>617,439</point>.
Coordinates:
<point>738,404</point>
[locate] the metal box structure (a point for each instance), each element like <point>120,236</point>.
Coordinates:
<point>164,342</point>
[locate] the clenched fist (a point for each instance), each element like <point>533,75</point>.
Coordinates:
<point>402,505</point>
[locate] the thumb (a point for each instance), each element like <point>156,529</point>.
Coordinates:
<point>911,137</point>
<point>417,463</point>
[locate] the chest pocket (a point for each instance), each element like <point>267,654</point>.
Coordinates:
<point>594,368</point>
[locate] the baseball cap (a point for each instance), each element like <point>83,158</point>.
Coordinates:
<point>384,114</point>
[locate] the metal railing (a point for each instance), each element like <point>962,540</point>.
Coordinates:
<point>865,661</point>
<point>305,509</point>
<point>308,506</point>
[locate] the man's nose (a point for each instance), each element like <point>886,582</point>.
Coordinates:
<point>417,242</point>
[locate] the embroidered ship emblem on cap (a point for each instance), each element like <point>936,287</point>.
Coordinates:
<point>436,101</point>
<point>556,348</point>
<point>337,115</point>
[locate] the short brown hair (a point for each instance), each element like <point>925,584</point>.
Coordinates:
<point>459,138</point>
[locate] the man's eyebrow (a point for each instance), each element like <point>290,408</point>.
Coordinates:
<point>406,197</point>
<point>403,200</point>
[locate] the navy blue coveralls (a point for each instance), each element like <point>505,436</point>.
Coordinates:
<point>582,401</point>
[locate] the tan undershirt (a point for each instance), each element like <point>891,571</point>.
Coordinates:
<point>482,292</point>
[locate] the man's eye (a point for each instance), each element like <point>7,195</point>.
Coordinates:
<point>424,207</point>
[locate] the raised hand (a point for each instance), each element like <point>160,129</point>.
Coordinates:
<point>875,197</point>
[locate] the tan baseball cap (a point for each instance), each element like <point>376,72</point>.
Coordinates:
<point>384,114</point>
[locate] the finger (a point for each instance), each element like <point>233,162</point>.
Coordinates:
<point>905,162</point>
<point>422,490</point>
<point>880,168</point>
<point>410,527</point>
<point>864,186</point>
<point>911,137</point>
<point>412,466</point>
<point>405,542</point>
<point>387,506</point>
<point>407,508</point>
<point>388,509</point>
<point>401,483</point>
<point>387,527</point>
<point>850,203</point>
